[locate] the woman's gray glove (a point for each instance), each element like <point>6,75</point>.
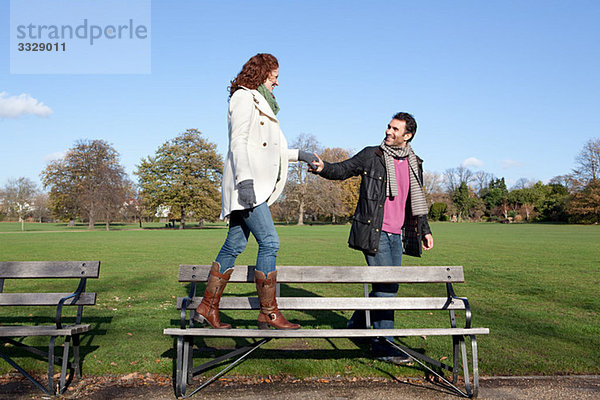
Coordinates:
<point>246,195</point>
<point>307,158</point>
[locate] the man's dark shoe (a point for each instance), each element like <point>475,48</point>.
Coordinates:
<point>385,352</point>
<point>398,360</point>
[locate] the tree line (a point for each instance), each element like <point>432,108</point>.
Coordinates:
<point>461,194</point>
<point>181,182</point>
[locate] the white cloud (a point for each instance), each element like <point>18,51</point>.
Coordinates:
<point>55,156</point>
<point>506,164</point>
<point>472,162</point>
<point>23,104</point>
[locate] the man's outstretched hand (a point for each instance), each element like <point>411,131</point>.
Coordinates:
<point>317,165</point>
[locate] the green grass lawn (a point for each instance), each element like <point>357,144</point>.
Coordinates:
<point>534,286</point>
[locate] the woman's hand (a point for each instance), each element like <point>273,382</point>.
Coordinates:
<point>246,196</point>
<point>307,158</point>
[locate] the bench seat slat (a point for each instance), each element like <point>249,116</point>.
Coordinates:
<point>44,299</point>
<point>337,303</point>
<point>352,274</point>
<point>323,333</point>
<point>44,330</point>
<point>49,269</point>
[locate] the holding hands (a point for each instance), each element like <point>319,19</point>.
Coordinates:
<point>308,158</point>
<point>315,164</point>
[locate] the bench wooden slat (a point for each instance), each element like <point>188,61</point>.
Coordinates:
<point>16,331</point>
<point>323,333</point>
<point>45,299</point>
<point>337,303</point>
<point>49,269</point>
<point>351,274</point>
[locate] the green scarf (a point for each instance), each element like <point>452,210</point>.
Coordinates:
<point>262,89</point>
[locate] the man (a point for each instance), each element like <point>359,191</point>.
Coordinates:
<point>390,216</point>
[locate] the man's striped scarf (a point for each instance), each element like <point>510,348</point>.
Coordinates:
<point>417,195</point>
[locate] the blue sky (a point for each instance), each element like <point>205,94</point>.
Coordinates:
<point>508,87</point>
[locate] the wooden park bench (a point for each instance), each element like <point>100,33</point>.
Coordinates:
<point>192,274</point>
<point>13,333</point>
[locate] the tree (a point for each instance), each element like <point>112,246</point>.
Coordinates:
<point>528,198</point>
<point>88,182</point>
<point>588,161</point>
<point>464,201</point>
<point>336,198</point>
<point>113,200</point>
<point>584,206</point>
<point>453,178</point>
<point>185,174</point>
<point>62,198</point>
<point>496,195</point>
<point>136,206</point>
<point>18,197</point>
<point>568,181</point>
<point>297,190</point>
<point>40,207</point>
<point>482,180</point>
<point>523,183</point>
<point>432,185</point>
<point>553,206</point>
<point>437,211</point>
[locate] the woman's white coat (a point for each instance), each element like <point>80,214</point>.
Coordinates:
<point>257,150</point>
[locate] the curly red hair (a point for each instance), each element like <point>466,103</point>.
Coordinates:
<point>254,72</point>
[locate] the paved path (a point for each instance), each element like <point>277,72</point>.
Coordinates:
<point>492,388</point>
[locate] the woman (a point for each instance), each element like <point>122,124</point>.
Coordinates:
<point>253,178</point>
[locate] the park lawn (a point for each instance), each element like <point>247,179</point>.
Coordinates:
<point>533,285</point>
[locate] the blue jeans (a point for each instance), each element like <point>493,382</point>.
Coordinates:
<point>389,254</point>
<point>259,222</point>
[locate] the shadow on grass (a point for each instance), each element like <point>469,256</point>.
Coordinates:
<point>86,345</point>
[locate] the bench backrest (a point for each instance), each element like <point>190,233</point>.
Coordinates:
<point>330,274</point>
<point>81,270</point>
<point>333,275</point>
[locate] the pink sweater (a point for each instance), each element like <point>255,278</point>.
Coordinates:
<point>393,210</point>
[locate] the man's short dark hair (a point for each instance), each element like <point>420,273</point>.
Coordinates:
<point>411,124</point>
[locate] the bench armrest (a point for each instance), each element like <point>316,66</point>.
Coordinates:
<point>75,297</point>
<point>60,306</point>
<point>464,300</point>
<point>184,305</point>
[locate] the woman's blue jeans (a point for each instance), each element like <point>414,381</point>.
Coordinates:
<point>259,222</point>
<point>389,254</point>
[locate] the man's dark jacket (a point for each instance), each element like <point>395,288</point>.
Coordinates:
<point>368,217</point>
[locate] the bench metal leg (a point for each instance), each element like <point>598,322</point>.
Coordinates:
<point>185,361</point>
<point>52,359</point>
<point>65,364</point>
<point>418,357</point>
<point>465,362</point>
<point>76,361</point>
<point>51,364</point>
<point>455,358</point>
<point>25,374</point>
<point>179,381</point>
<point>474,391</point>
<point>475,366</point>
<point>190,365</point>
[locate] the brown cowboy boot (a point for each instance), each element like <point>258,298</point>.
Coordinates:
<point>208,310</point>
<point>269,313</point>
